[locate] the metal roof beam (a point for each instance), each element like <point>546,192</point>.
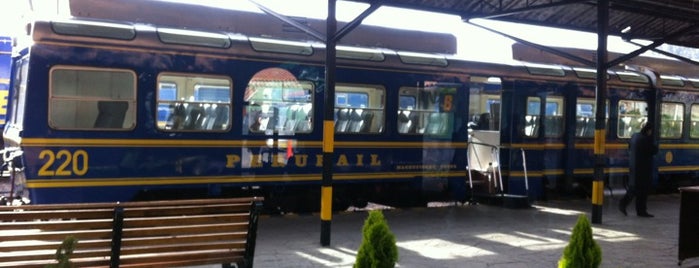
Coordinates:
<point>678,57</point>
<point>290,21</point>
<point>356,21</point>
<point>656,8</point>
<point>506,13</point>
<point>653,45</point>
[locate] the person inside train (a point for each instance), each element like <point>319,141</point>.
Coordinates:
<point>642,148</point>
<point>480,122</point>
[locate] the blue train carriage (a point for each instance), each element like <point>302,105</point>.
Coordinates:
<point>678,132</point>
<point>152,112</point>
<point>149,112</point>
<point>554,125</point>
<point>5,61</point>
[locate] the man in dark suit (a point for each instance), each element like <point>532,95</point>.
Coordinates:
<point>641,151</point>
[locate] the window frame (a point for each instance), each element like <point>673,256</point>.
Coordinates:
<point>663,129</point>
<point>130,114</point>
<point>180,105</point>
<point>375,108</point>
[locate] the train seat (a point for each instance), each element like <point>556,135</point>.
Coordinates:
<point>111,114</point>
<point>549,126</point>
<point>531,127</point>
<point>272,118</point>
<point>284,116</point>
<point>367,121</point>
<point>193,116</point>
<point>580,124</point>
<point>302,123</point>
<point>590,127</point>
<point>176,118</point>
<point>436,124</point>
<point>221,118</point>
<point>356,121</point>
<point>291,118</point>
<point>343,118</point>
<point>414,122</point>
<point>209,119</point>
<point>404,122</point>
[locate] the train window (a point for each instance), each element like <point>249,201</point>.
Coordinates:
<point>193,102</point>
<point>632,77</point>
<point>432,114</point>
<point>280,46</point>
<point>94,29</point>
<point>632,115</point>
<point>668,80</point>
<point>484,103</point>
<point>585,117</point>
<point>532,117</point>
<point>671,120</point>
<point>92,98</point>
<point>278,103</point>
<point>553,117</point>
<point>358,53</point>
<point>195,38</point>
<point>359,108</point>
<point>542,69</point>
<point>694,81</point>
<point>694,124</point>
<point>586,73</point>
<point>422,59</point>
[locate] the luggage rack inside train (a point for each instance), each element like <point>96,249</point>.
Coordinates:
<point>485,175</point>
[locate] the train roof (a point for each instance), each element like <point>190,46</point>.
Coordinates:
<point>226,43</point>
<point>208,18</point>
<point>666,66</point>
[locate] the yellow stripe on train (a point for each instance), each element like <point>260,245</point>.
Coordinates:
<point>99,182</point>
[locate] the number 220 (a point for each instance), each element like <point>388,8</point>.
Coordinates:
<point>74,163</point>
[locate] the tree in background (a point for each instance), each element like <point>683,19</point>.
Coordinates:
<point>582,250</point>
<point>378,248</point>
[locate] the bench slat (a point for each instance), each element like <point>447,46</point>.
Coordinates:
<point>183,248</point>
<point>183,230</point>
<point>32,215</point>
<point>180,259</point>
<point>55,235</point>
<point>41,245</point>
<point>57,225</point>
<point>185,220</point>
<point>197,238</point>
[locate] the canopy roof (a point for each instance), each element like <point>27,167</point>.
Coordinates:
<point>674,22</point>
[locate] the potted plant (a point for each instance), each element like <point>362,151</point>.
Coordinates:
<point>582,250</point>
<point>378,248</point>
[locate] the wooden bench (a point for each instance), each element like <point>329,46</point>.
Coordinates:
<point>132,234</point>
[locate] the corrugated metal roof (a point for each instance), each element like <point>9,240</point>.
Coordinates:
<point>676,21</point>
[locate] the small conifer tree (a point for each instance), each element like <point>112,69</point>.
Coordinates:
<point>582,250</point>
<point>378,248</point>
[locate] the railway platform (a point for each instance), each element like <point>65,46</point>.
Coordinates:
<point>453,235</point>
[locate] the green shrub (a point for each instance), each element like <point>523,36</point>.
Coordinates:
<point>582,251</point>
<point>63,253</point>
<point>378,248</point>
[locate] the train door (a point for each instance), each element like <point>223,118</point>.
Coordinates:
<point>580,159</point>
<point>484,110</point>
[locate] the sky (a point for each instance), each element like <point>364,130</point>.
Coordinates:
<point>472,41</point>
